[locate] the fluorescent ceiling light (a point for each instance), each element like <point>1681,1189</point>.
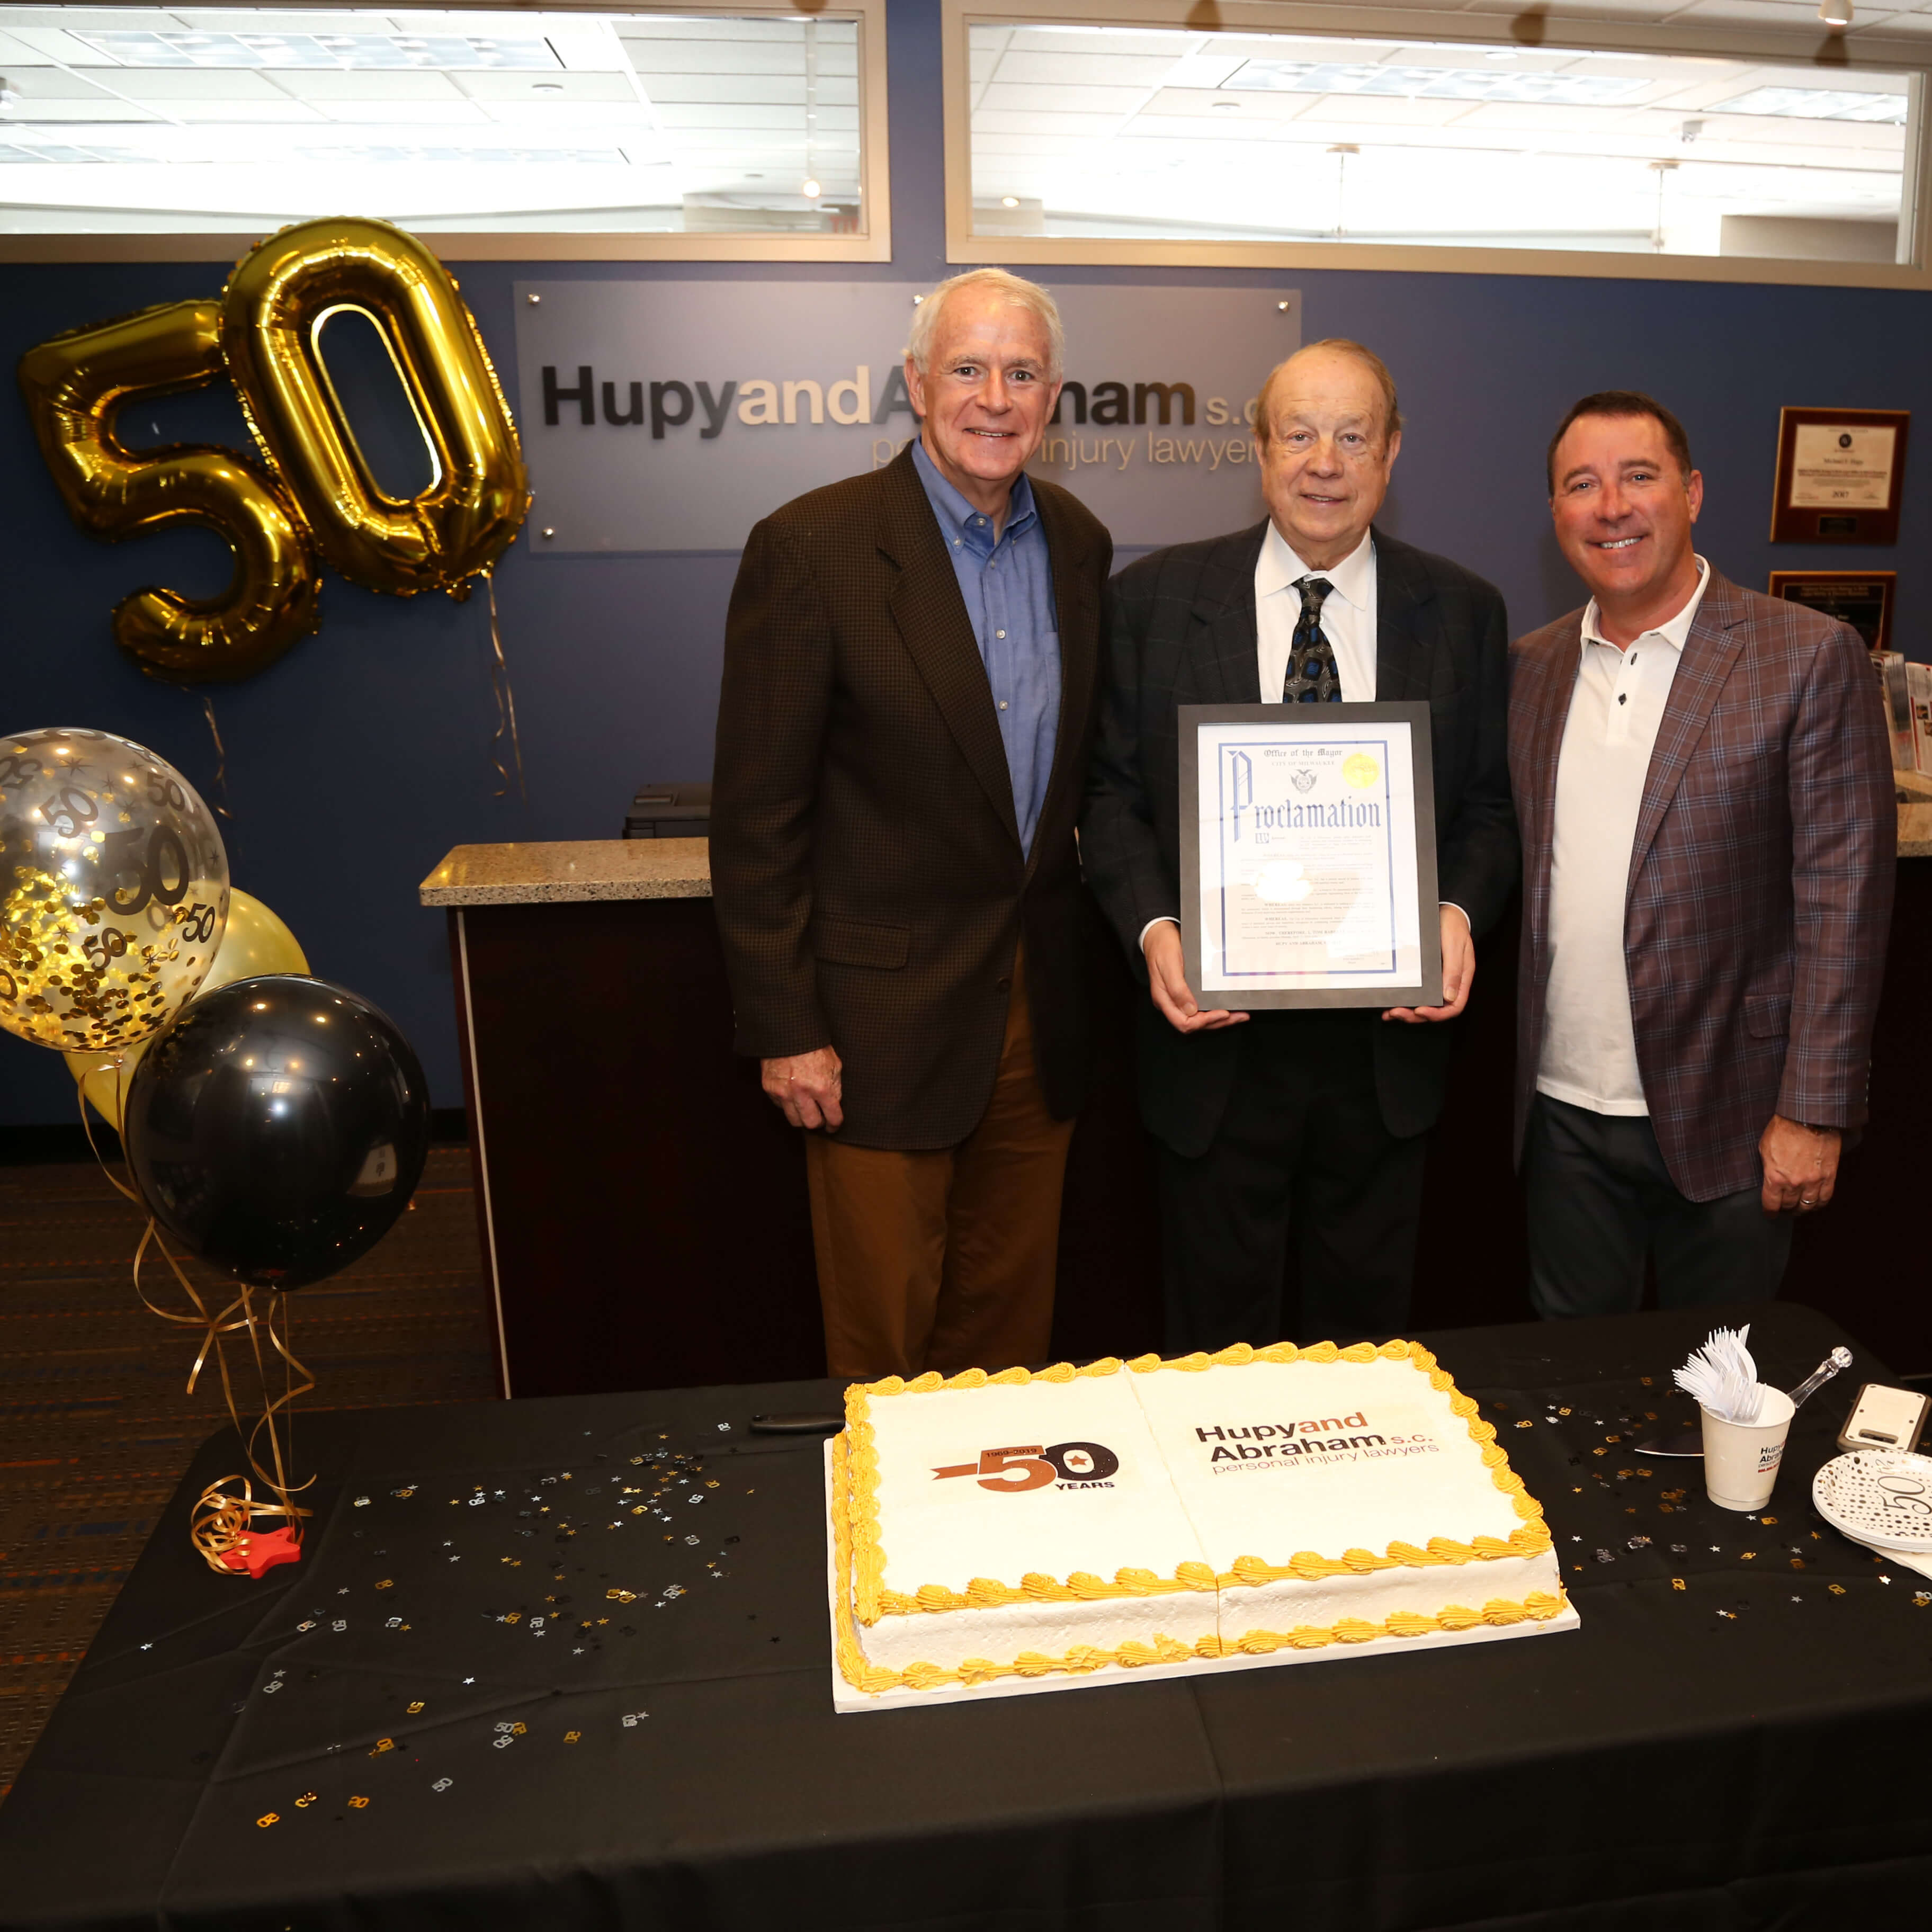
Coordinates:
<point>1817,103</point>
<point>448,52</point>
<point>396,154</point>
<point>1435,83</point>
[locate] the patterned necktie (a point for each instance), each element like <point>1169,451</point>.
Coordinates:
<point>1312,677</point>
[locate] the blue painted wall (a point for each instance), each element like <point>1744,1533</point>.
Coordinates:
<point>359,759</point>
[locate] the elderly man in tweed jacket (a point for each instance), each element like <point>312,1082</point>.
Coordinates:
<point>1703,783</point>
<point>902,738</point>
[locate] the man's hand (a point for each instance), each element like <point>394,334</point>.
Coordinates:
<point>1459,972</point>
<point>805,1087</point>
<point>1800,1166</point>
<point>1167,978</point>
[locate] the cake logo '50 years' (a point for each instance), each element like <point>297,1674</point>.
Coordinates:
<point>1328,1438</point>
<point>1076,1464</point>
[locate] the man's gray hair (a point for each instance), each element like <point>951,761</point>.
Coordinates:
<point>1014,288</point>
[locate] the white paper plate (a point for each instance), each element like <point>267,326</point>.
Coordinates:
<point>1880,1497</point>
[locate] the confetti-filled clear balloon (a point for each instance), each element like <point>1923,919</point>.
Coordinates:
<point>113,889</point>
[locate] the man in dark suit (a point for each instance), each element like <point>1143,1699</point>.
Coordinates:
<point>1704,781</point>
<point>1307,1125</point>
<point>910,674</point>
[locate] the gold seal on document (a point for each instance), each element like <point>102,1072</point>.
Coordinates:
<point>1360,770</point>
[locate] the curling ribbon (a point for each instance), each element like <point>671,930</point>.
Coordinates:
<point>220,1529</point>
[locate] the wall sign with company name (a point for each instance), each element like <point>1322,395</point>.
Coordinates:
<point>671,415</point>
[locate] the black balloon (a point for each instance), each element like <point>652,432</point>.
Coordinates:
<point>277,1127</point>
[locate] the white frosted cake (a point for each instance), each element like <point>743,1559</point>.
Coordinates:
<point>1256,1501</point>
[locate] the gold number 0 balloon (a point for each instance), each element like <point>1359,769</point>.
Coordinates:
<point>273,311</point>
<point>74,386</point>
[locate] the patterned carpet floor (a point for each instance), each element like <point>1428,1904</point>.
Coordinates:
<point>96,1430</point>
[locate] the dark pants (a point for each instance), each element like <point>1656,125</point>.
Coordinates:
<point>1301,1154</point>
<point>1599,1197</point>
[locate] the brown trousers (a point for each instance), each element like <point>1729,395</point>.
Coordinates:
<point>944,1259</point>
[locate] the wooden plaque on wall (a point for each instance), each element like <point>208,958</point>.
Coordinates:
<point>1840,473</point>
<point>1861,598</point>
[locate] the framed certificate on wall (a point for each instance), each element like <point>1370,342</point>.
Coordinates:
<point>1308,856</point>
<point>1861,598</point>
<point>1840,473</point>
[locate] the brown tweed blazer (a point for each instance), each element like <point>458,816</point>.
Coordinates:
<point>1760,880</point>
<point>865,859</point>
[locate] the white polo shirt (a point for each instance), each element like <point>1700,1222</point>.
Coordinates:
<point>1348,615</point>
<point>1589,1049</point>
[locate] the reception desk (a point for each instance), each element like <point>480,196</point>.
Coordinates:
<point>642,1206</point>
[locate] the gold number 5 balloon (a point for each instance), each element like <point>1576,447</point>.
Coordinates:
<point>74,386</point>
<point>276,304</point>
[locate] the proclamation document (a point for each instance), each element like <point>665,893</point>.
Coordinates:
<point>1312,841</point>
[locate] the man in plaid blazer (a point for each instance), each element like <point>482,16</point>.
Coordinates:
<point>1703,782</point>
<point>902,735</point>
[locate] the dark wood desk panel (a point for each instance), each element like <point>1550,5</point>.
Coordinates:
<point>646,1209</point>
<point>647,1203</point>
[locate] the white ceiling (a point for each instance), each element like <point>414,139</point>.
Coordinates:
<point>1098,130</point>
<point>440,117</point>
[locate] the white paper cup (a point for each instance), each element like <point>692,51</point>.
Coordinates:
<point>1740,1459</point>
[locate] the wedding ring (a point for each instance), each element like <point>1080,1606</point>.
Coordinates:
<point>1802,1202</point>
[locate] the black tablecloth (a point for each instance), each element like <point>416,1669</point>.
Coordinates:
<point>564,1664</point>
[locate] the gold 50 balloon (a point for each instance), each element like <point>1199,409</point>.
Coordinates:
<point>317,497</point>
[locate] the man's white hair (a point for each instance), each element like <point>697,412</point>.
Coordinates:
<point>1014,288</point>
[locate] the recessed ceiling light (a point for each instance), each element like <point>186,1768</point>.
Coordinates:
<point>547,86</point>
<point>1010,201</point>
<point>1225,107</point>
<point>811,190</point>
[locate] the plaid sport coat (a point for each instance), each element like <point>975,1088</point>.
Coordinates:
<point>866,869</point>
<point>1761,878</point>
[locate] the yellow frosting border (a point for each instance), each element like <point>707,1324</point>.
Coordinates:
<point>873,1679</point>
<point>873,1600</point>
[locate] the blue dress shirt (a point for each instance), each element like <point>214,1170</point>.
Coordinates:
<point>1008,586</point>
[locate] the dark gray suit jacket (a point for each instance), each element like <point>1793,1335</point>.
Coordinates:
<point>1181,630</point>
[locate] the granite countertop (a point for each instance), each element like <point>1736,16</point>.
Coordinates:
<point>680,869</point>
<point>587,869</point>
<point>1914,830</point>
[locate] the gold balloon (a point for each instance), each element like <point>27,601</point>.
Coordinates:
<point>113,890</point>
<point>254,942</point>
<point>74,385</point>
<point>276,302</point>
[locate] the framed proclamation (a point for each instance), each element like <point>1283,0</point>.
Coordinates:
<point>1308,856</point>
<point>1840,473</point>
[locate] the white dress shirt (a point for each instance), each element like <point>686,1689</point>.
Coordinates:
<point>1589,1050</point>
<point>1348,615</point>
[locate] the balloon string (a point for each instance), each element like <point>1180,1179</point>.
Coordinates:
<point>114,1065</point>
<point>213,1533</point>
<point>220,761</point>
<point>506,705</point>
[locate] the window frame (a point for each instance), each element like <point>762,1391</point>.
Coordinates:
<point>1894,54</point>
<point>875,244</point>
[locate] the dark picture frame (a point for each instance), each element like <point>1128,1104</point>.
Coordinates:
<point>1802,510</point>
<point>1290,724</point>
<point>1862,599</point>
